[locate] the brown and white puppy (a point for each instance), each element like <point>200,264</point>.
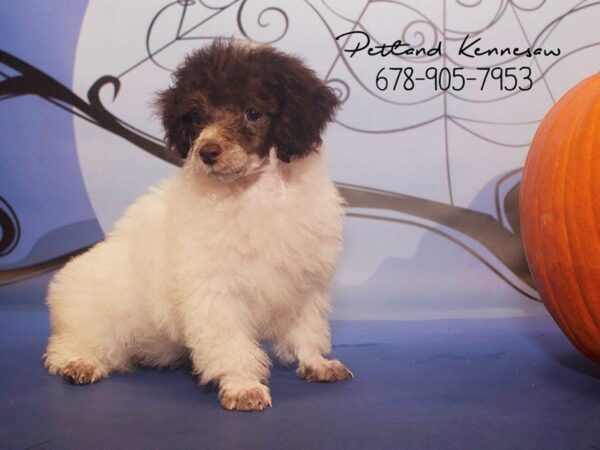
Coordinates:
<point>237,249</point>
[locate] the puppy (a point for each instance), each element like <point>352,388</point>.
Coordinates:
<point>238,248</point>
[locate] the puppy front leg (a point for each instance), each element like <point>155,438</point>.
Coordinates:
<point>224,350</point>
<point>308,340</point>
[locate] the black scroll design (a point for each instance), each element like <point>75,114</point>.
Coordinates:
<point>10,228</point>
<point>32,81</point>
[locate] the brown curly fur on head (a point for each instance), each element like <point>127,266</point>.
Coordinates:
<point>231,76</point>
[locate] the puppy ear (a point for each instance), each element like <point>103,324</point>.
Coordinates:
<point>306,105</point>
<point>179,122</point>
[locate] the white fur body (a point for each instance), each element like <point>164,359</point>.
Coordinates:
<point>203,268</point>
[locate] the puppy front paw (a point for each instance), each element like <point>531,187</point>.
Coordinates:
<point>324,370</point>
<point>246,396</point>
<point>80,372</point>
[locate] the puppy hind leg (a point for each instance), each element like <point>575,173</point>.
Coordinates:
<point>91,330</point>
<point>81,361</point>
<point>76,365</point>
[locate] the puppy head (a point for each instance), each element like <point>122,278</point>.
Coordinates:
<point>230,103</point>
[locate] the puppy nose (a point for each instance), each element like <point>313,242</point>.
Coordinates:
<point>209,153</point>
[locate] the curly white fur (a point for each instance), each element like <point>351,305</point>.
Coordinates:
<point>209,269</point>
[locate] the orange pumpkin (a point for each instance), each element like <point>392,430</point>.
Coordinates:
<point>560,214</point>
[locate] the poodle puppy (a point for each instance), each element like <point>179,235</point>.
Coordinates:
<point>237,249</point>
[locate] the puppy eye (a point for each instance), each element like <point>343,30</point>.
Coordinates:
<point>196,116</point>
<point>252,114</point>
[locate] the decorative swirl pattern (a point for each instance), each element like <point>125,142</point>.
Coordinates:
<point>10,229</point>
<point>340,88</point>
<point>264,20</point>
<point>421,33</point>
